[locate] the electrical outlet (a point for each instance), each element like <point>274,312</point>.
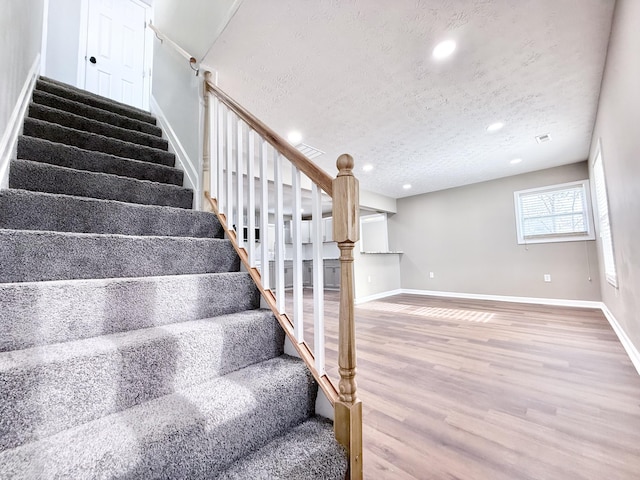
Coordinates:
<point>431,275</point>
<point>547,277</point>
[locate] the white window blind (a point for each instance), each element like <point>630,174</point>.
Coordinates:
<point>603,220</point>
<point>557,213</point>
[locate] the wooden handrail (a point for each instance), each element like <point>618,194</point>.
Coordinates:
<point>163,38</point>
<point>310,169</point>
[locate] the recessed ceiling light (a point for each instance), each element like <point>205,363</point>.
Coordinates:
<point>444,49</point>
<point>294,137</point>
<point>406,186</point>
<point>494,127</point>
<point>515,160</point>
<point>368,167</point>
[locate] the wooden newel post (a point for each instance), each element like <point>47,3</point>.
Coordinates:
<point>206,144</point>
<point>346,232</point>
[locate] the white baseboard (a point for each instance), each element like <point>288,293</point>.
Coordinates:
<point>185,163</point>
<point>377,296</point>
<point>16,120</point>
<point>506,298</point>
<point>629,347</point>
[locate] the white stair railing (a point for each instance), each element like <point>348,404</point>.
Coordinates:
<point>250,165</point>
<point>234,141</point>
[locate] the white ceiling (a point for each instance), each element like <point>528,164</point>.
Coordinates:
<point>357,76</point>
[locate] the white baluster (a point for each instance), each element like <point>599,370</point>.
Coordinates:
<point>210,148</point>
<point>264,215</point>
<point>230,161</point>
<point>318,279</point>
<point>221,157</point>
<point>242,151</point>
<point>251,208</point>
<point>279,247</point>
<point>296,233</point>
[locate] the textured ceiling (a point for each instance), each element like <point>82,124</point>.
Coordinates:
<point>357,76</point>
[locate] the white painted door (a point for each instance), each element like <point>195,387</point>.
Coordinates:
<point>116,50</point>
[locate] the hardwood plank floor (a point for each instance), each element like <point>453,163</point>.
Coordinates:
<point>460,389</point>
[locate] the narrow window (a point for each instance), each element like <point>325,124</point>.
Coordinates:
<point>604,224</point>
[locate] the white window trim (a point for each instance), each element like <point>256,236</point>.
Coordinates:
<point>609,264</point>
<point>590,235</point>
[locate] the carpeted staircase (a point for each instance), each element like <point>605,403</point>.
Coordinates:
<point>131,346</point>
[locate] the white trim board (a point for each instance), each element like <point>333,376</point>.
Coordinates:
<point>175,146</point>
<point>477,296</point>
<point>632,351</point>
<point>16,120</point>
<point>377,296</point>
<point>629,347</point>
<point>560,302</point>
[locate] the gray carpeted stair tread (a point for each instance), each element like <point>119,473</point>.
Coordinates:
<point>72,93</point>
<point>98,143</point>
<point>43,177</point>
<point>195,433</point>
<point>308,451</point>
<point>131,346</point>
<point>40,313</point>
<point>44,391</point>
<point>44,151</point>
<point>32,256</point>
<point>27,210</point>
<point>54,101</point>
<point>77,122</point>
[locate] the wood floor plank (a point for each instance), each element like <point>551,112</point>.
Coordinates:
<point>479,390</point>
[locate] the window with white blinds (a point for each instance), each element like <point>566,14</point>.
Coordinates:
<point>602,206</point>
<point>557,213</point>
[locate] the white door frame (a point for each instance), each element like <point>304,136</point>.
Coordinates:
<point>148,49</point>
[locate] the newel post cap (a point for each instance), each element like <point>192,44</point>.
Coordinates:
<point>346,202</point>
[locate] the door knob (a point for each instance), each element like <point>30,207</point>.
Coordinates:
<point>93,60</point>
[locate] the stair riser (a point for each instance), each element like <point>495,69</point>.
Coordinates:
<point>97,143</point>
<point>115,305</point>
<point>40,177</point>
<point>44,151</point>
<point>53,101</point>
<point>194,434</point>
<point>41,256</point>
<point>310,449</point>
<point>54,394</point>
<point>77,122</point>
<point>23,210</point>
<point>82,96</point>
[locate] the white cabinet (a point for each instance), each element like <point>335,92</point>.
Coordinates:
<point>327,228</point>
<point>305,231</point>
<point>332,274</point>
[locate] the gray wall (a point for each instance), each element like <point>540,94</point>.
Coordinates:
<point>177,91</point>
<point>466,236</point>
<point>63,40</point>
<point>617,128</point>
<point>375,273</point>
<point>20,42</point>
